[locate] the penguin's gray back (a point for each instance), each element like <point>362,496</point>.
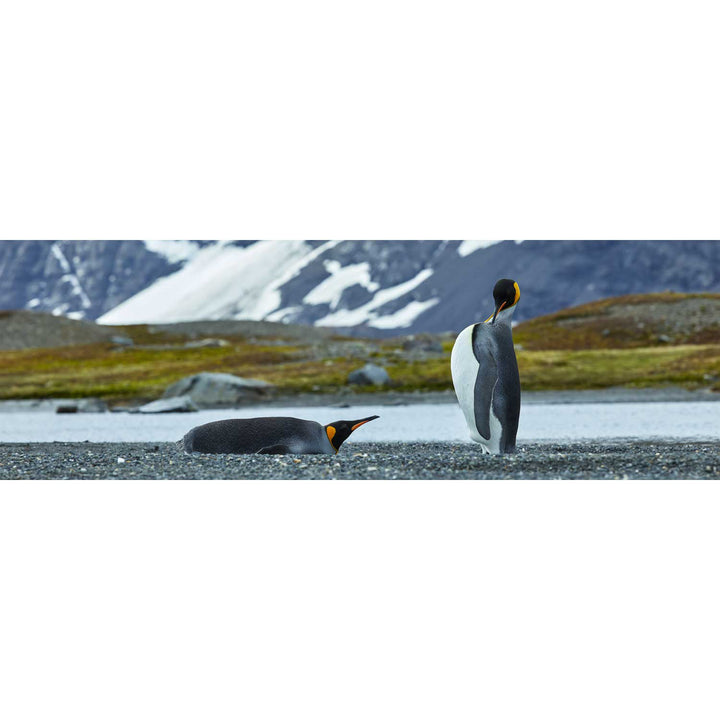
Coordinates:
<point>487,384</point>
<point>271,435</point>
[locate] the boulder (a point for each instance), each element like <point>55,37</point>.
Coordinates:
<point>423,344</point>
<point>65,409</point>
<point>123,340</point>
<point>183,403</point>
<point>86,405</point>
<point>369,374</point>
<point>207,343</point>
<point>92,405</point>
<point>209,390</point>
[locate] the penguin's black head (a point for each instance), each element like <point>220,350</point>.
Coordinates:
<point>506,293</point>
<point>338,432</point>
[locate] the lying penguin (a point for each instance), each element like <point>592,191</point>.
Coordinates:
<point>485,374</point>
<point>271,436</point>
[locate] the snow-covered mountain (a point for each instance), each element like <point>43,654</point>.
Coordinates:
<point>361,287</point>
<point>327,283</point>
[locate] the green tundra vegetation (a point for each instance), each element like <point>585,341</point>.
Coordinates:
<point>632,341</point>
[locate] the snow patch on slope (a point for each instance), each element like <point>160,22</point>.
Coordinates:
<point>270,301</point>
<point>218,282</point>
<point>175,251</point>
<point>59,255</point>
<point>331,289</point>
<point>405,316</point>
<point>467,247</point>
<point>366,313</point>
<point>69,277</point>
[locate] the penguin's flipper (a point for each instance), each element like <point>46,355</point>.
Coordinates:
<point>485,381</point>
<point>278,449</point>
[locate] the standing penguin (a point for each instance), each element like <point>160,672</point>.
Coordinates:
<point>270,436</point>
<point>485,374</point>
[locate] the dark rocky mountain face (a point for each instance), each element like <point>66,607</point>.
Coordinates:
<point>368,287</point>
<point>551,274</point>
<point>390,263</point>
<point>556,274</point>
<point>77,278</point>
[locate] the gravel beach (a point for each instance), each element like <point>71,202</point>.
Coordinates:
<point>623,459</point>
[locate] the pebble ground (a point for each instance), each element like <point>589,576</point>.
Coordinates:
<point>624,459</point>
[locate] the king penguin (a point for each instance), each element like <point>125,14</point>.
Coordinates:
<point>270,436</point>
<point>485,374</point>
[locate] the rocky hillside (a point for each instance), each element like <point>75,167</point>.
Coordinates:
<point>629,321</point>
<point>24,329</point>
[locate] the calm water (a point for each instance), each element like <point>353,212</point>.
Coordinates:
<point>578,421</point>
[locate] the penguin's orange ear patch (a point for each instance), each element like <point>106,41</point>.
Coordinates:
<point>517,293</point>
<point>330,430</point>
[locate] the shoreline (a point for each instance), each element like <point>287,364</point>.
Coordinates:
<point>392,398</point>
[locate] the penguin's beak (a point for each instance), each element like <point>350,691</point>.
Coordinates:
<point>498,309</point>
<point>358,423</point>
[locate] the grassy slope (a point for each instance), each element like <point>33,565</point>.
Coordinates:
<point>630,321</point>
<point>548,358</point>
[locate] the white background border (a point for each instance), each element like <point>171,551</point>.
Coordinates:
<point>323,119</point>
